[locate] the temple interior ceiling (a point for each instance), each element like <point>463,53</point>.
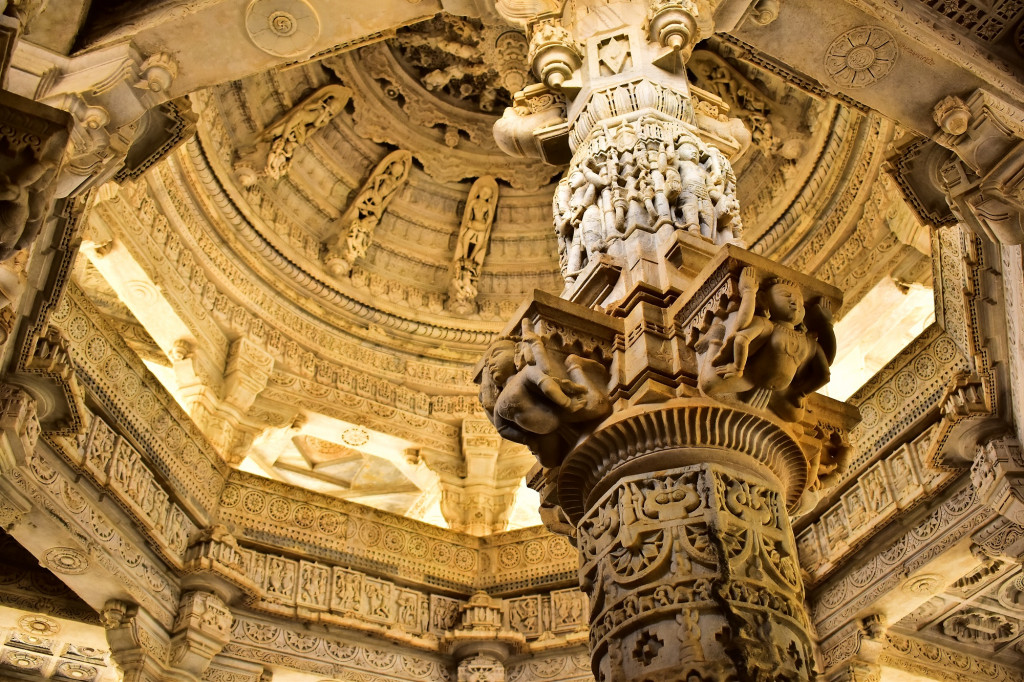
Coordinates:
<point>232,237</point>
<point>464,340</point>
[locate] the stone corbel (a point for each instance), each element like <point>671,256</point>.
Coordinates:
<point>19,426</point>
<point>740,302</point>
<point>200,632</point>
<point>852,654</point>
<point>482,640</point>
<point>998,477</point>
<point>49,376</point>
<point>138,645</point>
<point>107,91</point>
<point>535,126</point>
<point>548,384</point>
<point>246,375</point>
<point>985,182</point>
<point>212,561</point>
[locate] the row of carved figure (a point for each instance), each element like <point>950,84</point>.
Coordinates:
<point>643,176</point>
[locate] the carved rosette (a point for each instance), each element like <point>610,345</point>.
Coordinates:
<point>693,571</point>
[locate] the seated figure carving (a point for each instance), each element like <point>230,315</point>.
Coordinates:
<point>769,350</point>
<point>534,399</point>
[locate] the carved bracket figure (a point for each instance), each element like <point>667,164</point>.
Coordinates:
<point>32,143</point>
<point>761,338</point>
<point>471,247</point>
<point>539,395</point>
<point>362,215</point>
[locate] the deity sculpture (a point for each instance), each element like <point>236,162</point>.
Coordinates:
<point>534,399</point>
<point>471,247</point>
<point>769,350</point>
<point>309,116</point>
<point>364,213</point>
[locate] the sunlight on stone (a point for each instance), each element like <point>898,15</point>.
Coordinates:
<point>526,509</point>
<point>165,375</point>
<point>874,331</point>
<point>893,675</point>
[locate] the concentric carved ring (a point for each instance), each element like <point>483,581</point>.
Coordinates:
<point>66,560</point>
<point>283,28</point>
<point>658,437</point>
<point>861,56</point>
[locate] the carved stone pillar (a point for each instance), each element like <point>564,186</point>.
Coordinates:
<point>669,394</point>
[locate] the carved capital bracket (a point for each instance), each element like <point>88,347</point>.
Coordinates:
<point>201,630</point>
<point>118,99</point>
<point>19,425</point>
<point>851,655</point>
<point>139,646</point>
<point>984,183</point>
<point>482,640</point>
<point>48,374</point>
<point>212,561</point>
<point>998,477</point>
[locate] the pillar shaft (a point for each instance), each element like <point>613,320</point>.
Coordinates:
<point>692,575</point>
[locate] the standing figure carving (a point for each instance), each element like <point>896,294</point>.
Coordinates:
<point>292,131</point>
<point>645,176</point>
<point>271,153</point>
<point>471,247</point>
<point>364,213</point>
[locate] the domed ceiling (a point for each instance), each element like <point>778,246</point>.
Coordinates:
<point>357,380</point>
